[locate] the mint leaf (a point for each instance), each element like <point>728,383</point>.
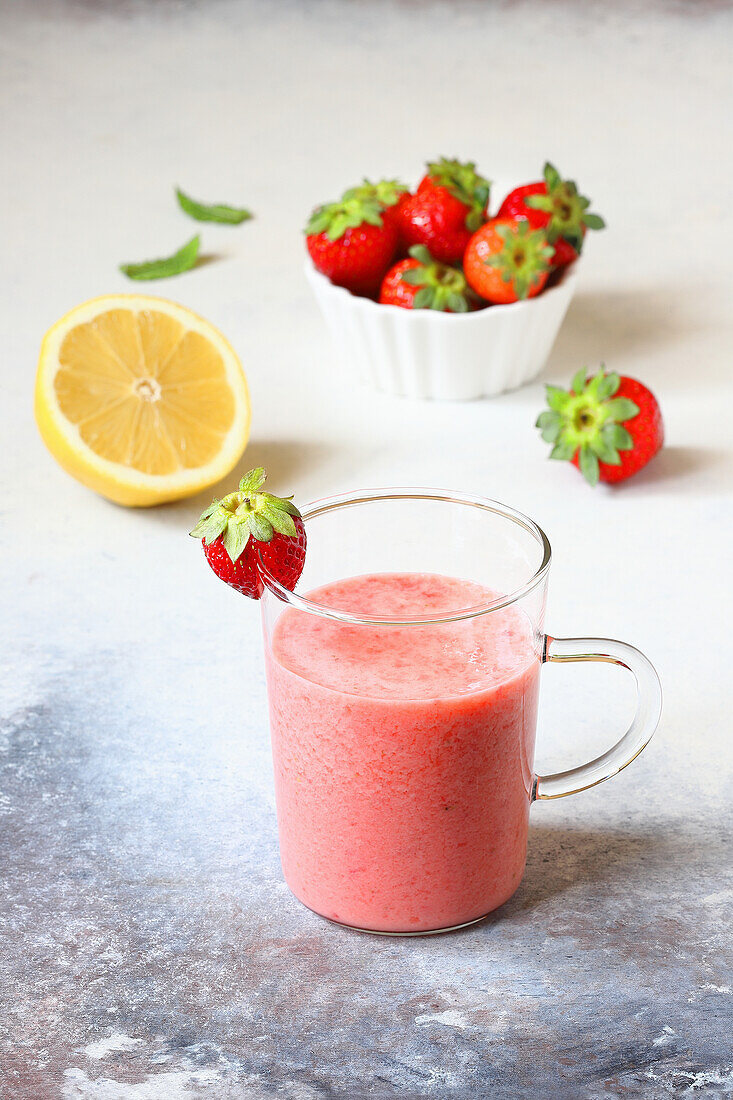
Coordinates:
<point>182,260</point>
<point>212,212</point>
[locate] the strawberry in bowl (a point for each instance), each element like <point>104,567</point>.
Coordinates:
<point>480,303</point>
<point>506,261</point>
<point>420,282</point>
<point>353,241</point>
<point>554,205</point>
<point>250,530</point>
<point>447,208</point>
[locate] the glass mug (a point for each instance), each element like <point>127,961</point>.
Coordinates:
<point>403,699</point>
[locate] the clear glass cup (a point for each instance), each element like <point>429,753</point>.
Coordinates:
<point>403,707</point>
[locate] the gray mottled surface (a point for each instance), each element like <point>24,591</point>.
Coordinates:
<point>148,947</point>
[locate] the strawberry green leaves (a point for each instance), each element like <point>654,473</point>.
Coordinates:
<point>385,192</point>
<point>587,422</point>
<point>568,209</point>
<point>442,287</point>
<point>335,218</point>
<point>182,260</point>
<point>252,481</point>
<point>589,467</point>
<point>524,257</point>
<point>358,205</point>
<point>212,212</point>
<point>465,184</point>
<point>247,513</point>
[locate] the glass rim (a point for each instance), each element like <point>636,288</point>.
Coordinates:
<point>324,505</point>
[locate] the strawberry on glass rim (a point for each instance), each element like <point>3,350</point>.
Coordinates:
<point>352,241</point>
<point>420,282</point>
<point>609,426</point>
<point>248,530</point>
<point>448,206</point>
<point>555,205</point>
<point>506,261</point>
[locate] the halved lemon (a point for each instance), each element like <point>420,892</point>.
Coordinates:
<point>140,399</point>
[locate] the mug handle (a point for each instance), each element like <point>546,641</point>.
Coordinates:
<point>639,733</point>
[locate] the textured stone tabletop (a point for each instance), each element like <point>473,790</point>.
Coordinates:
<point>149,949</point>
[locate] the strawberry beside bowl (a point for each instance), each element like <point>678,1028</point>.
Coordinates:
<point>444,356</point>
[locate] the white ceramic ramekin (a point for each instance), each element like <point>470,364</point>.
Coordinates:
<point>444,356</point>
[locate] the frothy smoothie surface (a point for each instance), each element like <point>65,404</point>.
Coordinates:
<point>403,754</point>
<point>404,662</point>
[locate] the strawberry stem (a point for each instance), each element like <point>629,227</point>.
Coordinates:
<point>247,513</point>
<point>588,421</point>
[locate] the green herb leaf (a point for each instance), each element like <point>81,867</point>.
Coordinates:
<point>182,260</point>
<point>214,212</point>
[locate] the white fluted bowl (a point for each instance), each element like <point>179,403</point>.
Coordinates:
<point>443,356</point>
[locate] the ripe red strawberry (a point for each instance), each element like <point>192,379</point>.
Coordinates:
<point>249,531</point>
<point>421,283</point>
<point>609,426</point>
<point>449,205</point>
<point>353,241</point>
<point>554,204</point>
<point>506,260</point>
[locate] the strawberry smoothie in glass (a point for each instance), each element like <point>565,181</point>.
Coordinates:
<point>403,701</point>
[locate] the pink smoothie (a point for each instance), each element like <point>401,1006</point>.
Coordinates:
<point>403,754</point>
